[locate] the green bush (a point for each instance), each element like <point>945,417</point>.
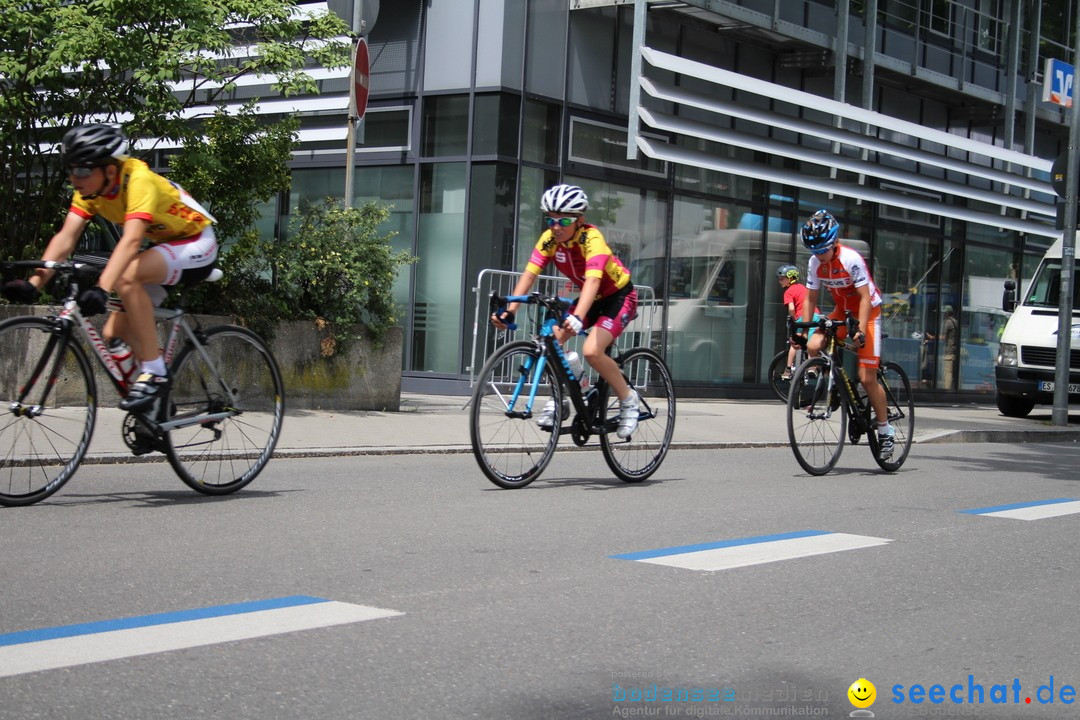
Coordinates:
<point>338,270</point>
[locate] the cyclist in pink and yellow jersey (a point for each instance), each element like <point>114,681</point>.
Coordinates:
<point>608,301</point>
<point>125,191</point>
<point>843,271</point>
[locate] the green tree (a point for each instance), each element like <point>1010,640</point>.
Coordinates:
<point>146,63</point>
<point>239,164</point>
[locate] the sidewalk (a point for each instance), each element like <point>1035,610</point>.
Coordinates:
<point>440,424</point>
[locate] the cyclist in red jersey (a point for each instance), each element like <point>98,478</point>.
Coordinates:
<point>794,299</point>
<point>844,272</point>
<point>608,300</point>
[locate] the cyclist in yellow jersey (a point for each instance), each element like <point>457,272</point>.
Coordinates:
<point>125,191</point>
<point>608,300</point>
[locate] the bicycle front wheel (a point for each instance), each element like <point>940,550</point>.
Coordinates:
<point>901,408</point>
<point>41,444</point>
<point>509,445</point>
<point>777,369</point>
<point>236,386</point>
<point>817,423</point>
<point>639,456</point>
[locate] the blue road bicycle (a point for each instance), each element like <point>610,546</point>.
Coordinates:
<point>521,377</point>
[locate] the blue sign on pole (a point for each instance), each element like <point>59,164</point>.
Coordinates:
<point>1058,82</point>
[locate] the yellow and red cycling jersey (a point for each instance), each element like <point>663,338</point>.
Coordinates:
<point>143,194</point>
<point>586,255</point>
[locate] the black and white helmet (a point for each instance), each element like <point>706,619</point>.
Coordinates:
<point>564,199</point>
<point>94,145</point>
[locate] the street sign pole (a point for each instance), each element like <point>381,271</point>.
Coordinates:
<point>1060,413</point>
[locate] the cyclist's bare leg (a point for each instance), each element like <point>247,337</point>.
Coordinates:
<point>874,392</point>
<point>136,323</point>
<point>813,345</point>
<point>596,343</point>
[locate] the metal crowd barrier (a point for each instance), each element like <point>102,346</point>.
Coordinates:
<point>486,337</point>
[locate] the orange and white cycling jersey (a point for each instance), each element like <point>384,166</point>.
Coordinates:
<point>841,276</point>
<point>587,255</point>
<point>143,194</point>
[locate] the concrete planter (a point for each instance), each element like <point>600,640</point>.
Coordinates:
<point>357,377</point>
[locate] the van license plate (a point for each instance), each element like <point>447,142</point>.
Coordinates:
<point>1074,388</point>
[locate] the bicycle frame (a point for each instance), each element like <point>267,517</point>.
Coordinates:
<point>74,324</point>
<point>833,355</point>
<point>552,348</point>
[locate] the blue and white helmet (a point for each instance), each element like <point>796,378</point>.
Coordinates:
<point>564,199</point>
<point>820,231</point>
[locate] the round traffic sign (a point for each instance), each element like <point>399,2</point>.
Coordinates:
<point>361,78</point>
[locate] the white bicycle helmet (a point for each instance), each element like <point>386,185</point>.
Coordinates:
<point>564,199</point>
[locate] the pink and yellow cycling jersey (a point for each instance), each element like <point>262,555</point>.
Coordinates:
<point>842,275</point>
<point>586,255</point>
<point>145,195</point>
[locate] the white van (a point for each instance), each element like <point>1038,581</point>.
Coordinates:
<point>1028,352</point>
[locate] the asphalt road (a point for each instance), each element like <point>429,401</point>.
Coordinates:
<point>512,605</point>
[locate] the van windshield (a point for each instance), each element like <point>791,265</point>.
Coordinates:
<point>1045,288</point>
<point>689,275</point>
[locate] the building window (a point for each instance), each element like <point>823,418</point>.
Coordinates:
<point>446,126</point>
<point>386,129</point>
<point>540,140</point>
<point>495,125</point>
<point>601,144</point>
<point>436,331</point>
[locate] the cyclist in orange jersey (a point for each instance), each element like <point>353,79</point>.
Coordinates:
<point>844,273</point>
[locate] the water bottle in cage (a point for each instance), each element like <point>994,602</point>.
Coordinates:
<point>578,369</point>
<point>124,359</point>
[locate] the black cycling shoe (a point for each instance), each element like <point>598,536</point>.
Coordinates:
<point>147,388</point>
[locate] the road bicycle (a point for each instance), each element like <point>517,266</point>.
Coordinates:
<point>217,426</point>
<point>509,445</point>
<point>825,407</point>
<point>780,373</point>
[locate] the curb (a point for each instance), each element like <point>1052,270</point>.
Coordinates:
<point>932,438</point>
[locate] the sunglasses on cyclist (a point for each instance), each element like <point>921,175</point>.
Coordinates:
<point>80,172</point>
<point>561,222</point>
<point>822,251</point>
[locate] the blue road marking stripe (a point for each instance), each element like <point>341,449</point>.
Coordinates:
<point>90,628</point>
<point>1015,506</point>
<point>679,550</point>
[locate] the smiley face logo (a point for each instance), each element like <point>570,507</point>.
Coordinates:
<point>862,693</point>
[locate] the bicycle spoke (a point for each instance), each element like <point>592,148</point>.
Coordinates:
<point>223,454</point>
<point>637,457</point>
<point>512,450</point>
<point>41,452</point>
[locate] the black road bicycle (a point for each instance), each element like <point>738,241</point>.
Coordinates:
<point>509,445</point>
<point>217,426</point>
<point>825,407</point>
<point>780,373</point>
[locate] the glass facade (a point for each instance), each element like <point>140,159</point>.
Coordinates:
<point>465,133</point>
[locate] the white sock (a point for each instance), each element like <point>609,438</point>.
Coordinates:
<point>155,367</point>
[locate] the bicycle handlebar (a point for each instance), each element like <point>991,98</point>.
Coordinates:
<point>554,303</point>
<point>829,325</point>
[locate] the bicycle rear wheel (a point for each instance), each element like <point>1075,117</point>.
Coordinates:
<point>41,447</point>
<point>639,456</point>
<point>816,430</point>
<point>226,452</point>
<point>901,408</point>
<point>509,446</point>
<point>777,368</point>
